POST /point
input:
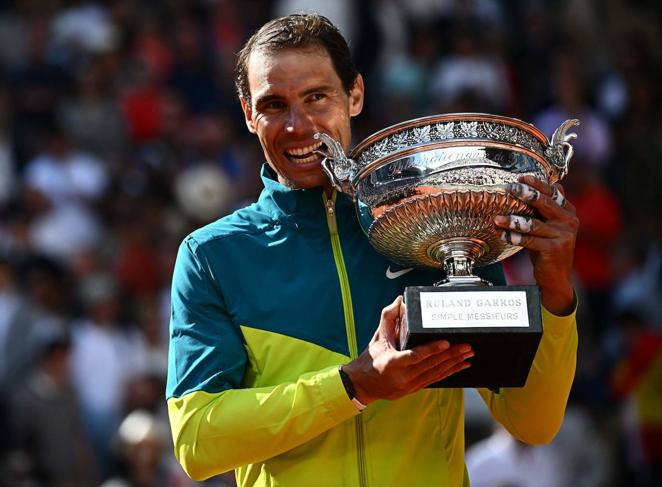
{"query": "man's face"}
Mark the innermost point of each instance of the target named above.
(294, 94)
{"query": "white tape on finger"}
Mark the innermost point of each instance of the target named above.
(557, 196)
(522, 224)
(513, 238)
(524, 191)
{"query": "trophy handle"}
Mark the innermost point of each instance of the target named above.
(337, 166)
(560, 150)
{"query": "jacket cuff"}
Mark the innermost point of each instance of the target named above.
(560, 325)
(334, 396)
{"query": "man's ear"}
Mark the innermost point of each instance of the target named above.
(248, 114)
(356, 96)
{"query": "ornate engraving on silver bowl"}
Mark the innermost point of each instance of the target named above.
(441, 131)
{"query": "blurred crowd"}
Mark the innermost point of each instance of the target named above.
(120, 132)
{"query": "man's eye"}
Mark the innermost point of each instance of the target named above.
(317, 96)
(273, 106)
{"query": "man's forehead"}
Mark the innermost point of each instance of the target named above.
(267, 67)
(276, 52)
(263, 60)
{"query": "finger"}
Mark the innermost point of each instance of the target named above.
(548, 189)
(452, 371)
(389, 320)
(526, 224)
(426, 381)
(433, 375)
(524, 192)
(521, 224)
(565, 201)
(536, 183)
(423, 352)
(511, 238)
(454, 354)
(531, 242)
(558, 197)
(547, 207)
(392, 310)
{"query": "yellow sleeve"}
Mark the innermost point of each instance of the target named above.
(216, 432)
(534, 413)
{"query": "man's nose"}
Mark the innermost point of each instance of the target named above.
(299, 120)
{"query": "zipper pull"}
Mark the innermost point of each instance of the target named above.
(331, 215)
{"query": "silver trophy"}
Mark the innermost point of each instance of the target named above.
(426, 193)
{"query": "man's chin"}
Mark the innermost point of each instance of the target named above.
(307, 183)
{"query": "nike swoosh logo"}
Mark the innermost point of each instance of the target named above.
(394, 275)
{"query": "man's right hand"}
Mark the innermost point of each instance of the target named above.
(384, 372)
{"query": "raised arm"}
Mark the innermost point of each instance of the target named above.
(534, 413)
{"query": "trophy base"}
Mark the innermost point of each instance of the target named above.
(503, 325)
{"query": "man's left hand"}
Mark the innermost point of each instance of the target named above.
(550, 239)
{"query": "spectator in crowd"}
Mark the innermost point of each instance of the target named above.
(636, 380)
(597, 241)
(91, 117)
(7, 162)
(14, 326)
(468, 71)
(36, 306)
(36, 86)
(500, 460)
(569, 100)
(49, 446)
(140, 444)
(63, 174)
(115, 354)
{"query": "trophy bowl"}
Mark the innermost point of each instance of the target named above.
(427, 190)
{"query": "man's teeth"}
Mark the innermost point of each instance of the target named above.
(311, 158)
(304, 151)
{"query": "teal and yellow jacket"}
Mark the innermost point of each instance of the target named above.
(266, 304)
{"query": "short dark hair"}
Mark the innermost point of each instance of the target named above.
(297, 31)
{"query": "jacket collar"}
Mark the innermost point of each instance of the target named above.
(289, 203)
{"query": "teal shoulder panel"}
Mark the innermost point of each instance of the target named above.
(206, 350)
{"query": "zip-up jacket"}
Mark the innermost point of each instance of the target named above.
(267, 303)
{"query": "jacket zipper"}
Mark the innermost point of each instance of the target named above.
(349, 319)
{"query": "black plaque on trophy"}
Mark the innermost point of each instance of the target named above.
(503, 325)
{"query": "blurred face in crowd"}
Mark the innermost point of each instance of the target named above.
(294, 94)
